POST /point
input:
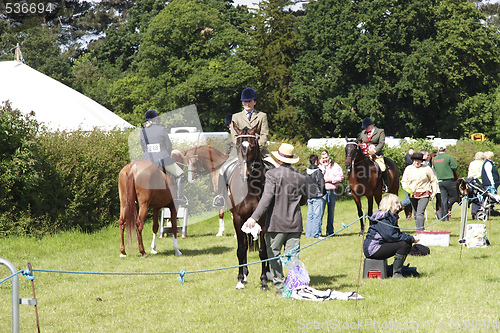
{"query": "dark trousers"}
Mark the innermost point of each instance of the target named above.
(388, 250)
(449, 196)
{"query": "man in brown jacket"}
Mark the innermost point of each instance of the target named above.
(284, 193)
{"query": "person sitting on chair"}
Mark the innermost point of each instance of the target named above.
(157, 148)
(372, 141)
(384, 239)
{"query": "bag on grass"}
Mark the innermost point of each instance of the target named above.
(297, 276)
(420, 250)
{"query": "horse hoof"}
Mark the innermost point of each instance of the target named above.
(122, 255)
(219, 234)
(183, 237)
(178, 253)
(153, 251)
(264, 287)
(144, 255)
(240, 285)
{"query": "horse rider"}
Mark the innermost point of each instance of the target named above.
(372, 141)
(157, 148)
(249, 118)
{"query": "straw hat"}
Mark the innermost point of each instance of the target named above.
(286, 154)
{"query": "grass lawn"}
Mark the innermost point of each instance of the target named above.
(458, 288)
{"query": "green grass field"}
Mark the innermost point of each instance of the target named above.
(457, 291)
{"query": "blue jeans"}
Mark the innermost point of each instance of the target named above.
(316, 207)
(330, 198)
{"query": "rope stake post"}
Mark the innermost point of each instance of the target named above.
(34, 296)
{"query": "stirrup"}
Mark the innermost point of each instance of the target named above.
(218, 201)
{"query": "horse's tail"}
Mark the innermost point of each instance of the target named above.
(128, 199)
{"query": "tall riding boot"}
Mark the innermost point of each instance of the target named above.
(180, 199)
(385, 184)
(219, 198)
(397, 267)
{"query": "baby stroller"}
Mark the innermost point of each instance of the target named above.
(481, 196)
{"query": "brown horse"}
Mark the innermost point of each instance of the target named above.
(365, 178)
(245, 190)
(143, 182)
(201, 159)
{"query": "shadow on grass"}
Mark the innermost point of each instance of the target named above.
(328, 280)
(197, 252)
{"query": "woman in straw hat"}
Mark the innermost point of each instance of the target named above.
(285, 192)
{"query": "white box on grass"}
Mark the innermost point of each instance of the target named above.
(434, 237)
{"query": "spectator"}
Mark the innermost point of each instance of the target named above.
(285, 192)
(407, 207)
(333, 175)
(476, 166)
(446, 173)
(384, 238)
(420, 182)
(489, 173)
(408, 160)
(427, 157)
(315, 184)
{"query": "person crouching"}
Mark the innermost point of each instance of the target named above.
(384, 239)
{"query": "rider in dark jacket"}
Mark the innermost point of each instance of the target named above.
(157, 148)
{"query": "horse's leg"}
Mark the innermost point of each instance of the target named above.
(241, 252)
(265, 264)
(221, 222)
(156, 213)
(143, 213)
(121, 224)
(357, 200)
(173, 214)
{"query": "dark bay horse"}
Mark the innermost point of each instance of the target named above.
(245, 190)
(365, 177)
(142, 182)
(201, 159)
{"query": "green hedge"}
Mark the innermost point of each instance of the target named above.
(57, 181)
(62, 181)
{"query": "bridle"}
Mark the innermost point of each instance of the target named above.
(244, 147)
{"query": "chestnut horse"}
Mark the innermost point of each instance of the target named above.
(205, 159)
(245, 190)
(143, 182)
(365, 177)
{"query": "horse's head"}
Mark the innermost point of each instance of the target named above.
(351, 150)
(247, 146)
(191, 158)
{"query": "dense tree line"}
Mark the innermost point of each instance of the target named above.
(417, 67)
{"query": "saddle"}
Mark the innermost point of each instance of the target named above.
(228, 173)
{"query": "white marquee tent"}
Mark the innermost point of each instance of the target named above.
(56, 105)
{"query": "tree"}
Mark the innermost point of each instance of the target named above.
(407, 64)
(274, 29)
(192, 53)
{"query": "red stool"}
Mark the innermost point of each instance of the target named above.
(374, 274)
(375, 268)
